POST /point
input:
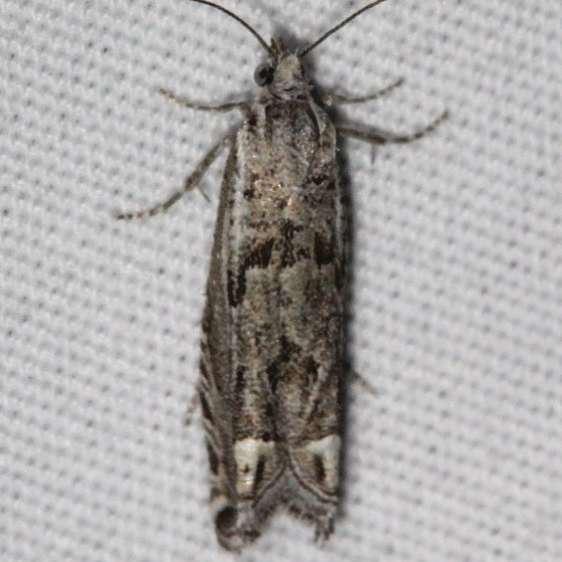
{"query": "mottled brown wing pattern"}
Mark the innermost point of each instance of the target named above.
(271, 363)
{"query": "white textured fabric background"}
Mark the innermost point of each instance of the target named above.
(457, 311)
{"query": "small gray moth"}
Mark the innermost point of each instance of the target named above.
(272, 368)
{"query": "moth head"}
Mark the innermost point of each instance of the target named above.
(282, 75)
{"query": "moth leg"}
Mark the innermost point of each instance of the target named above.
(190, 182)
(341, 99)
(384, 137)
(220, 108)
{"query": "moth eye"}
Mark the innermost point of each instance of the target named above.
(263, 75)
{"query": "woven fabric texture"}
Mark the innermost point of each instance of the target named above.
(456, 316)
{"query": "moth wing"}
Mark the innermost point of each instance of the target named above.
(245, 463)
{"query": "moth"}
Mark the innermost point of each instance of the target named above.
(272, 369)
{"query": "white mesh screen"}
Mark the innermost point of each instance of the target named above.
(457, 310)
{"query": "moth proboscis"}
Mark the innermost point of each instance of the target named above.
(272, 366)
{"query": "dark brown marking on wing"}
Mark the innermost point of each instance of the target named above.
(225, 520)
(269, 412)
(319, 470)
(264, 436)
(260, 468)
(320, 179)
(287, 253)
(236, 287)
(249, 193)
(213, 459)
(207, 414)
(202, 368)
(240, 381)
(252, 121)
(288, 229)
(339, 276)
(312, 369)
(324, 252)
(287, 349)
(273, 375)
(260, 256)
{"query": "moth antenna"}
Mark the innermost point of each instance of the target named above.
(239, 20)
(339, 26)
